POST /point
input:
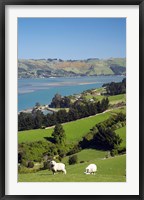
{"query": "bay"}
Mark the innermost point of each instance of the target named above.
(43, 90)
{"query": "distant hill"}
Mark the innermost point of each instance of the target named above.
(45, 68)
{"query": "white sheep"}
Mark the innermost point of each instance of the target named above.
(91, 169)
(57, 167)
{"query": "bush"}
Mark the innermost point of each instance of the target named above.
(74, 150)
(25, 170)
(30, 164)
(73, 160)
(46, 165)
(114, 152)
(108, 154)
(24, 163)
(121, 150)
(62, 153)
(82, 161)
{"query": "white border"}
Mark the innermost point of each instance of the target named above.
(131, 187)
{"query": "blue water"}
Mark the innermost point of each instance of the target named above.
(31, 91)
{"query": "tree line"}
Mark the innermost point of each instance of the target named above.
(77, 110)
(116, 88)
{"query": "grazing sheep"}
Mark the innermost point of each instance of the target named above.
(57, 167)
(91, 169)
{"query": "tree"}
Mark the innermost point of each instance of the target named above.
(116, 88)
(106, 138)
(38, 119)
(25, 121)
(56, 101)
(104, 104)
(61, 116)
(59, 134)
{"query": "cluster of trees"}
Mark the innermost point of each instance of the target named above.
(116, 88)
(77, 110)
(60, 102)
(27, 121)
(103, 136)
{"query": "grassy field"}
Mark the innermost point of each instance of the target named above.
(108, 170)
(74, 130)
(87, 155)
(112, 99)
(117, 98)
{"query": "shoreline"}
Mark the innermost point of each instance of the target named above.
(41, 108)
(51, 85)
(76, 76)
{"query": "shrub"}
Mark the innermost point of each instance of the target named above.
(121, 150)
(25, 170)
(62, 153)
(114, 152)
(108, 154)
(46, 165)
(74, 150)
(24, 163)
(30, 164)
(73, 160)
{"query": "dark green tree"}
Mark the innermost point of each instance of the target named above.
(56, 101)
(106, 138)
(39, 119)
(59, 134)
(25, 121)
(104, 104)
(61, 116)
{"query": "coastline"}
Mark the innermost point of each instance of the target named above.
(43, 90)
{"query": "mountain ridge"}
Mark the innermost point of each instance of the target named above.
(45, 68)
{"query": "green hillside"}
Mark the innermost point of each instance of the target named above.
(39, 68)
(75, 130)
(87, 155)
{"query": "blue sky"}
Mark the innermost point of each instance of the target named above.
(71, 38)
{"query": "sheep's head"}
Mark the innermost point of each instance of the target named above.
(52, 163)
(87, 171)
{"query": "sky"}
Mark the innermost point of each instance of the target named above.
(71, 38)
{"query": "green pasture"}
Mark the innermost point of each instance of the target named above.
(108, 170)
(74, 130)
(121, 109)
(117, 98)
(87, 155)
(112, 99)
